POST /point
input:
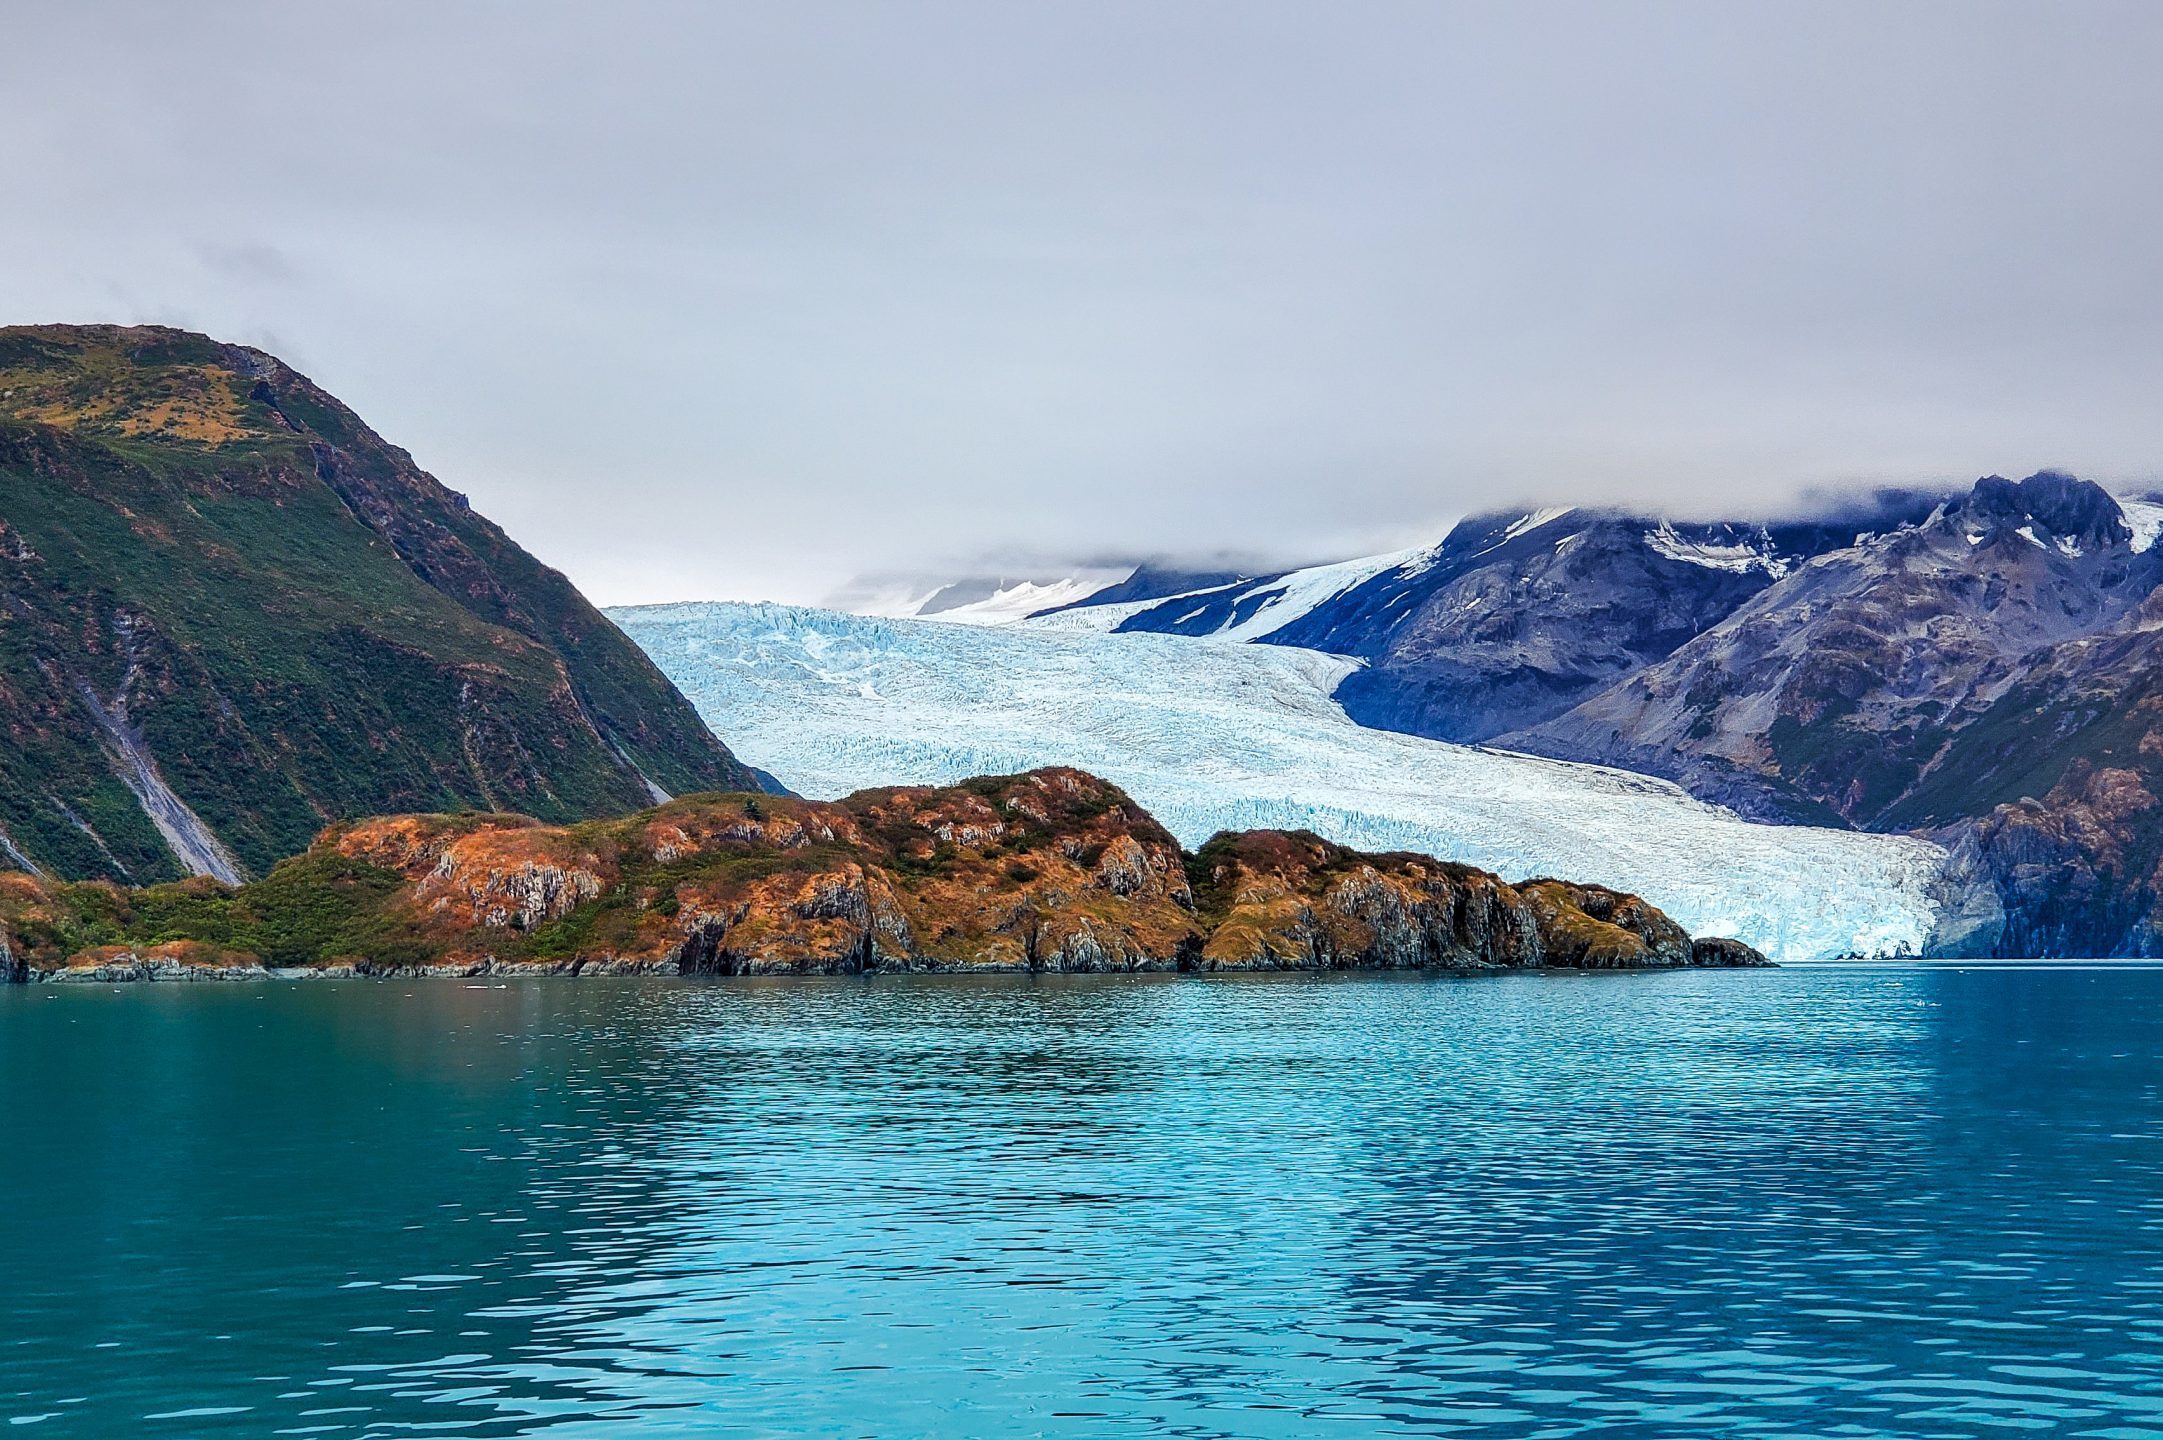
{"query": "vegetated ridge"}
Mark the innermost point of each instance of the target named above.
(1050, 870)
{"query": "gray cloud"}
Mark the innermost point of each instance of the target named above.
(248, 262)
(745, 300)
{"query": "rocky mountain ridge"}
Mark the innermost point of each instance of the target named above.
(1515, 616)
(1988, 676)
(1050, 870)
(1838, 688)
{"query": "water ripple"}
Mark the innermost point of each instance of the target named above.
(1871, 1202)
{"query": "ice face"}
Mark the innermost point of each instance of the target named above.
(1211, 735)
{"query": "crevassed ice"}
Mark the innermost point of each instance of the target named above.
(1211, 735)
(2145, 518)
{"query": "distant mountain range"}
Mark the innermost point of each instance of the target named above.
(1513, 617)
(230, 613)
(1977, 666)
(1004, 599)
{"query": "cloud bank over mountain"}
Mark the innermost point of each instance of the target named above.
(875, 288)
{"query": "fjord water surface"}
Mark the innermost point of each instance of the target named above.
(1890, 1201)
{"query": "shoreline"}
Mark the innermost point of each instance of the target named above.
(169, 972)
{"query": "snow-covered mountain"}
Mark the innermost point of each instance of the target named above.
(1211, 735)
(1090, 591)
(1513, 617)
(976, 599)
(1240, 609)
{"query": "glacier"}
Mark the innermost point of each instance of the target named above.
(1213, 735)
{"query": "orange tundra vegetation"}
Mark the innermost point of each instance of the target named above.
(1051, 870)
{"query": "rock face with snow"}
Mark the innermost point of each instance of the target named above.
(1214, 736)
(996, 599)
(1973, 666)
(1988, 675)
(1515, 617)
(1837, 689)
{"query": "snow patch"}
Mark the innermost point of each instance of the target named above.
(1288, 597)
(1024, 598)
(1212, 736)
(1534, 521)
(1738, 559)
(982, 600)
(1302, 592)
(1103, 619)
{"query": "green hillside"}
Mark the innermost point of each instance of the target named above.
(230, 614)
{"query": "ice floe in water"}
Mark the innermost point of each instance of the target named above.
(1212, 736)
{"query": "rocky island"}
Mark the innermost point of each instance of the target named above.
(1053, 870)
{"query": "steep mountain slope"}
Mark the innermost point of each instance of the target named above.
(231, 613)
(1053, 870)
(1214, 736)
(1153, 581)
(1001, 600)
(1514, 617)
(2069, 760)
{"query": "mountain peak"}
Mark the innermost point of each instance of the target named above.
(2049, 505)
(136, 382)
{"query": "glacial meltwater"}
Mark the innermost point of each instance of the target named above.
(1828, 1202)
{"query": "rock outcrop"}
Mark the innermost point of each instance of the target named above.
(1054, 870)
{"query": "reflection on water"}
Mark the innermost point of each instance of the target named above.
(1839, 1202)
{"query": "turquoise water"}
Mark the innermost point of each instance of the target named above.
(1836, 1202)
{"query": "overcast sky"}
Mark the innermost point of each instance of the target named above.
(740, 301)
